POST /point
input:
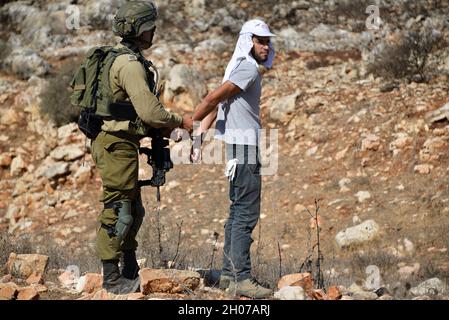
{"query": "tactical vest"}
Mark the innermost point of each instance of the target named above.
(92, 91)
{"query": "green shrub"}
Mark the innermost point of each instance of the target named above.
(409, 58)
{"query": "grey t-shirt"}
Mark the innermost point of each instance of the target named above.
(238, 119)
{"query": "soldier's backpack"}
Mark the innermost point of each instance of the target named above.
(92, 92)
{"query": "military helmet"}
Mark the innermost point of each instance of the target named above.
(133, 18)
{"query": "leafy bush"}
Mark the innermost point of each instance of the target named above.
(409, 58)
(55, 102)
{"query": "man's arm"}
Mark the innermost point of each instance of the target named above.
(210, 102)
(132, 78)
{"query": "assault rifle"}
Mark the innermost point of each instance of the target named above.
(158, 157)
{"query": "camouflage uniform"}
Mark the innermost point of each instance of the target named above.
(115, 152)
(115, 148)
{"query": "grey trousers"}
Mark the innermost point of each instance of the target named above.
(244, 212)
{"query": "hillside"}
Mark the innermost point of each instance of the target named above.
(356, 133)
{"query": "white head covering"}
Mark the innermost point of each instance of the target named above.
(245, 44)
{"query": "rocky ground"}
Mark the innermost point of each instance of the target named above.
(371, 151)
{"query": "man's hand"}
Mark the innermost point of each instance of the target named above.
(187, 123)
(195, 151)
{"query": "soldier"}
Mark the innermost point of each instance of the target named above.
(115, 148)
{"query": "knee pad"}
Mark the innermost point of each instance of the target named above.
(125, 218)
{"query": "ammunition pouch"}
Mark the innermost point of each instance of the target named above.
(89, 123)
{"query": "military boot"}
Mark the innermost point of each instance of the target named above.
(249, 288)
(224, 281)
(130, 267)
(115, 283)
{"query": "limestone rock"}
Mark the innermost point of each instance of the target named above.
(89, 283)
(284, 106)
(24, 265)
(290, 293)
(27, 293)
(433, 286)
(8, 291)
(303, 280)
(363, 232)
(67, 153)
(168, 280)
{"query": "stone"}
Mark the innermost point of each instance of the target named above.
(40, 288)
(318, 294)
(362, 196)
(303, 280)
(433, 286)
(402, 140)
(290, 293)
(8, 291)
(17, 166)
(67, 153)
(284, 106)
(371, 142)
(89, 283)
(9, 117)
(334, 293)
(168, 280)
(83, 173)
(56, 170)
(67, 131)
(35, 278)
(27, 293)
(5, 160)
(439, 114)
(68, 279)
(184, 79)
(341, 154)
(363, 232)
(423, 168)
(24, 265)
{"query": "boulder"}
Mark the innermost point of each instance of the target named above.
(334, 293)
(185, 87)
(56, 170)
(362, 196)
(24, 265)
(290, 293)
(439, 114)
(371, 142)
(8, 291)
(363, 232)
(90, 283)
(303, 280)
(27, 293)
(284, 106)
(35, 278)
(168, 280)
(18, 165)
(433, 286)
(67, 153)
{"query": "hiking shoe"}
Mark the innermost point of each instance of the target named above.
(224, 282)
(114, 282)
(249, 288)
